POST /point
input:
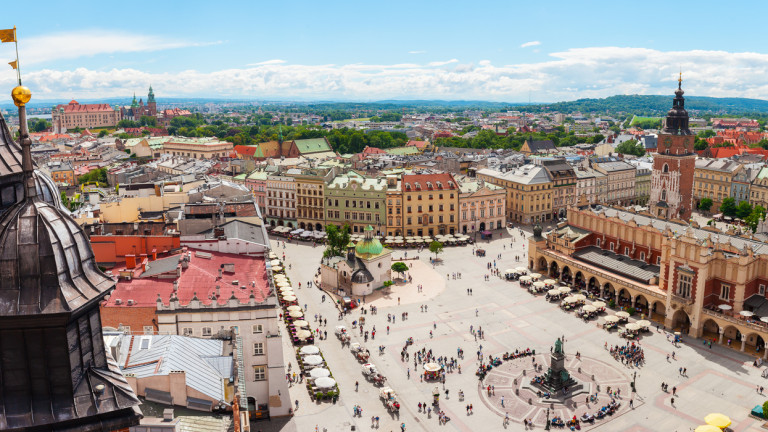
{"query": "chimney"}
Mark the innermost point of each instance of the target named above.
(130, 261)
(218, 291)
(176, 285)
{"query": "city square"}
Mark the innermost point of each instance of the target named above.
(716, 379)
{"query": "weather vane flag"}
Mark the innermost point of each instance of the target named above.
(9, 35)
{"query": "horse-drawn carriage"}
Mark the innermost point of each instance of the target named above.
(360, 353)
(342, 334)
(373, 375)
(389, 398)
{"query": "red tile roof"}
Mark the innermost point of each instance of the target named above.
(418, 144)
(246, 150)
(201, 278)
(409, 182)
(74, 107)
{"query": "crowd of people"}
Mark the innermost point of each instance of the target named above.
(629, 354)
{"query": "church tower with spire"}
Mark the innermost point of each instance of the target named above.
(151, 104)
(674, 164)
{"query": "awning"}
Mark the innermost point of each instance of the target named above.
(160, 396)
(199, 404)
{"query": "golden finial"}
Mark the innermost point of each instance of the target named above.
(680, 80)
(21, 95)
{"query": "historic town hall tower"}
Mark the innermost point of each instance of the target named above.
(673, 165)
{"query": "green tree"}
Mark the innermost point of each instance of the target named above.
(763, 143)
(705, 204)
(400, 267)
(436, 247)
(754, 218)
(728, 207)
(125, 123)
(709, 133)
(700, 144)
(148, 121)
(632, 147)
(337, 240)
(102, 133)
(743, 210)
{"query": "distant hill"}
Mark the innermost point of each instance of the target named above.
(652, 105)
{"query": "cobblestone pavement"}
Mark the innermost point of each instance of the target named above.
(718, 379)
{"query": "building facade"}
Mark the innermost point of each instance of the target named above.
(758, 190)
(482, 205)
(676, 274)
(642, 186)
(619, 181)
(84, 116)
(713, 179)
(742, 180)
(563, 180)
(529, 192)
(281, 201)
(430, 204)
(310, 188)
(198, 148)
(586, 184)
(394, 206)
(674, 164)
(356, 200)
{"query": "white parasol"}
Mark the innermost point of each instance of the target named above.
(275, 262)
(325, 382)
(579, 297)
(313, 360)
(611, 319)
(622, 314)
(589, 308)
(295, 314)
(644, 323)
(319, 373)
(293, 308)
(632, 327)
(598, 304)
(535, 275)
(550, 281)
(525, 278)
(539, 284)
(431, 367)
(746, 313)
(564, 289)
(725, 307)
(290, 298)
(301, 323)
(304, 334)
(309, 350)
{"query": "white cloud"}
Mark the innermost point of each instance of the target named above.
(417, 52)
(530, 44)
(442, 63)
(267, 62)
(565, 75)
(83, 43)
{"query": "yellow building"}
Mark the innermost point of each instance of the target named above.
(712, 179)
(198, 148)
(430, 203)
(529, 192)
(394, 206)
(309, 201)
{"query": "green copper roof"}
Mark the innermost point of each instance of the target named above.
(312, 145)
(369, 247)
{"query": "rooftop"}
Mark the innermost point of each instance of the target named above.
(200, 278)
(621, 264)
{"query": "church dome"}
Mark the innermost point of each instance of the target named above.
(362, 276)
(369, 246)
(48, 266)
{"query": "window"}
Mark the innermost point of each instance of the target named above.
(611, 246)
(598, 242)
(642, 256)
(258, 328)
(725, 291)
(148, 330)
(684, 285)
(206, 331)
(259, 373)
(761, 289)
(258, 348)
(145, 343)
(186, 331)
(626, 251)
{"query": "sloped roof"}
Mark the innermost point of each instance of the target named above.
(313, 145)
(199, 358)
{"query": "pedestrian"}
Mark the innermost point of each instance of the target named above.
(674, 391)
(357, 384)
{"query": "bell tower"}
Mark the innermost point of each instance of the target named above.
(674, 164)
(151, 104)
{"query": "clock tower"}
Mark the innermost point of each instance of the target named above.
(674, 164)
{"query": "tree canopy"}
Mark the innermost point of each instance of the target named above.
(338, 238)
(728, 207)
(399, 267)
(436, 247)
(631, 147)
(705, 204)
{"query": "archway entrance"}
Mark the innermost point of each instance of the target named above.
(318, 227)
(710, 331)
(658, 312)
(609, 292)
(579, 280)
(482, 226)
(593, 286)
(641, 304)
(554, 272)
(543, 265)
(680, 321)
(625, 298)
(566, 276)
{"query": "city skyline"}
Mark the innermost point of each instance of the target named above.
(492, 51)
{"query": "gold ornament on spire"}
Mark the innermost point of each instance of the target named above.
(21, 95)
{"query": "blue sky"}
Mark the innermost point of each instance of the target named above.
(498, 50)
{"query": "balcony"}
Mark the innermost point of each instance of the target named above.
(681, 299)
(736, 321)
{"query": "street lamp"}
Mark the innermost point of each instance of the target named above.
(546, 426)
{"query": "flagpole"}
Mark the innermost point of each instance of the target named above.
(16, 43)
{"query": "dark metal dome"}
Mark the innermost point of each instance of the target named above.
(46, 262)
(362, 276)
